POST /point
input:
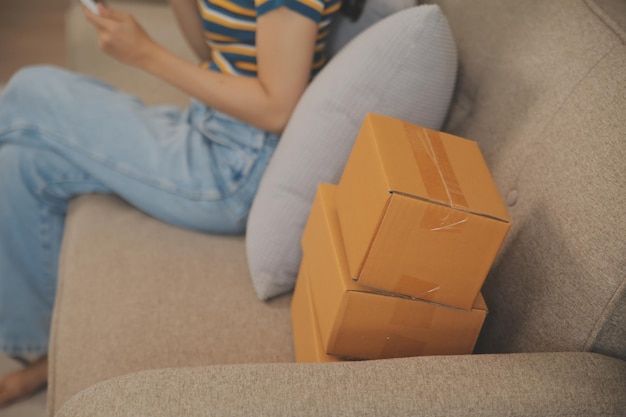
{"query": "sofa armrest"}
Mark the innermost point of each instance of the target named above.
(536, 384)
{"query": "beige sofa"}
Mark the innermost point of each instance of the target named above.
(152, 320)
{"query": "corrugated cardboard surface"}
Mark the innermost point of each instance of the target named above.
(358, 322)
(306, 335)
(420, 213)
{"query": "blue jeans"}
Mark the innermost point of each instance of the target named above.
(63, 135)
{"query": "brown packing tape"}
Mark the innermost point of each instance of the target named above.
(434, 165)
(421, 288)
(447, 172)
(443, 219)
(413, 315)
(431, 177)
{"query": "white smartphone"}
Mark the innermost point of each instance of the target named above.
(91, 5)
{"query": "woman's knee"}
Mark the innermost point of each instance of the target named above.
(33, 82)
(37, 74)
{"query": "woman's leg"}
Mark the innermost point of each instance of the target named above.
(173, 165)
(63, 135)
(35, 185)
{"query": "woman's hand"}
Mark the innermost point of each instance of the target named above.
(285, 48)
(121, 36)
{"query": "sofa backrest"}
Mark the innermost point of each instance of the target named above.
(542, 89)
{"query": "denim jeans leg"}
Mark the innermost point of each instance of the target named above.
(34, 185)
(63, 134)
(150, 156)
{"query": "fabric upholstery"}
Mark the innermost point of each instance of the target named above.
(135, 293)
(541, 88)
(405, 67)
(574, 384)
(611, 12)
(545, 100)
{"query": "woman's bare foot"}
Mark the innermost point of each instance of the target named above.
(26, 381)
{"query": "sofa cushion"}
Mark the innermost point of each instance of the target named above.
(135, 293)
(540, 384)
(542, 89)
(405, 67)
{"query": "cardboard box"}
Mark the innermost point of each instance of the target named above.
(306, 335)
(359, 322)
(420, 212)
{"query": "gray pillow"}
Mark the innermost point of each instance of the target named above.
(405, 67)
(343, 30)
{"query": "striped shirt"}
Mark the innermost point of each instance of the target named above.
(230, 30)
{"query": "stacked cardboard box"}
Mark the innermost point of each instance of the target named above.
(396, 254)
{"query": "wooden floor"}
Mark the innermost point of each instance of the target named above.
(31, 32)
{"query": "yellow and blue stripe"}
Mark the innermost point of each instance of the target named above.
(230, 30)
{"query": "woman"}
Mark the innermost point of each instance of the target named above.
(62, 135)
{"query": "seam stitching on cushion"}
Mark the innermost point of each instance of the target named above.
(574, 88)
(606, 19)
(597, 327)
(610, 307)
